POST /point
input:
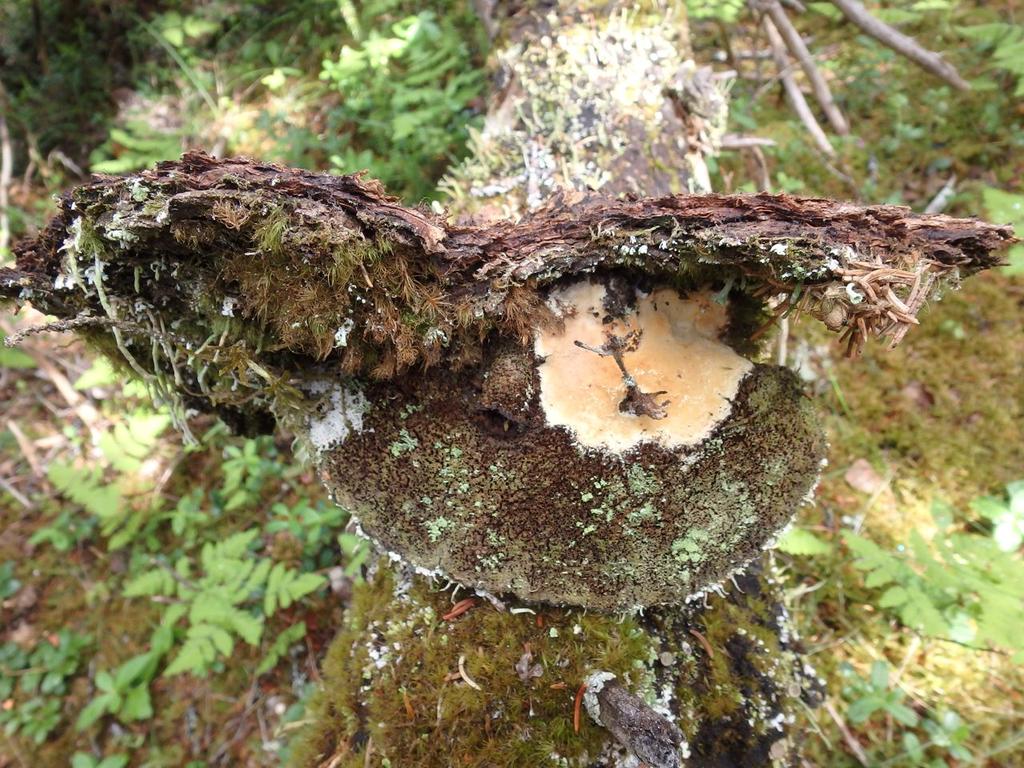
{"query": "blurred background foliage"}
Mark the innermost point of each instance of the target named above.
(167, 605)
(390, 86)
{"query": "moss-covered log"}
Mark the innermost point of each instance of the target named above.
(416, 680)
(505, 398)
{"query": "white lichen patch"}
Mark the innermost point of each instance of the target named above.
(341, 415)
(679, 353)
(341, 335)
(594, 685)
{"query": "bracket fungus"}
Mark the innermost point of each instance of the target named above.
(628, 457)
(562, 408)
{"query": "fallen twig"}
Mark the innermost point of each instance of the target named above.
(902, 44)
(795, 43)
(848, 737)
(793, 92)
(941, 200)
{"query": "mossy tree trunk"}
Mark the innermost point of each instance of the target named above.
(585, 100)
(399, 345)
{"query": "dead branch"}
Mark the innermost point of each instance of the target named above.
(906, 46)
(652, 738)
(793, 92)
(797, 47)
(736, 141)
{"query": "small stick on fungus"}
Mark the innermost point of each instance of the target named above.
(636, 401)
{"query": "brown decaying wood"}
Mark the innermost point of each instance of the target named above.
(864, 270)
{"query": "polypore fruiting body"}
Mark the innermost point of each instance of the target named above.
(629, 458)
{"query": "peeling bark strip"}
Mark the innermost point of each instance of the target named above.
(259, 236)
(654, 739)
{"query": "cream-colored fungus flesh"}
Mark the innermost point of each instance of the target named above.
(679, 352)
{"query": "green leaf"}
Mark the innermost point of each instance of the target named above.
(800, 541)
(195, 655)
(105, 682)
(862, 709)
(245, 626)
(99, 374)
(893, 597)
(130, 671)
(880, 675)
(903, 714)
(93, 711)
(15, 358)
(912, 746)
(1008, 208)
(280, 647)
(137, 705)
(155, 582)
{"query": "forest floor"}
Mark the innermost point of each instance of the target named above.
(927, 441)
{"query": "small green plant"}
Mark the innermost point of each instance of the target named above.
(122, 505)
(246, 469)
(124, 691)
(948, 733)
(9, 585)
(1004, 42)
(874, 695)
(33, 683)
(227, 597)
(280, 646)
(1007, 207)
(67, 530)
(958, 586)
(800, 541)
(1006, 515)
(406, 91)
(313, 525)
(85, 760)
(355, 552)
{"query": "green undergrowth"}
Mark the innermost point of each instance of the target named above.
(919, 571)
(910, 132)
(386, 85)
(162, 584)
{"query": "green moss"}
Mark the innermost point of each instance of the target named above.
(269, 236)
(391, 680)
